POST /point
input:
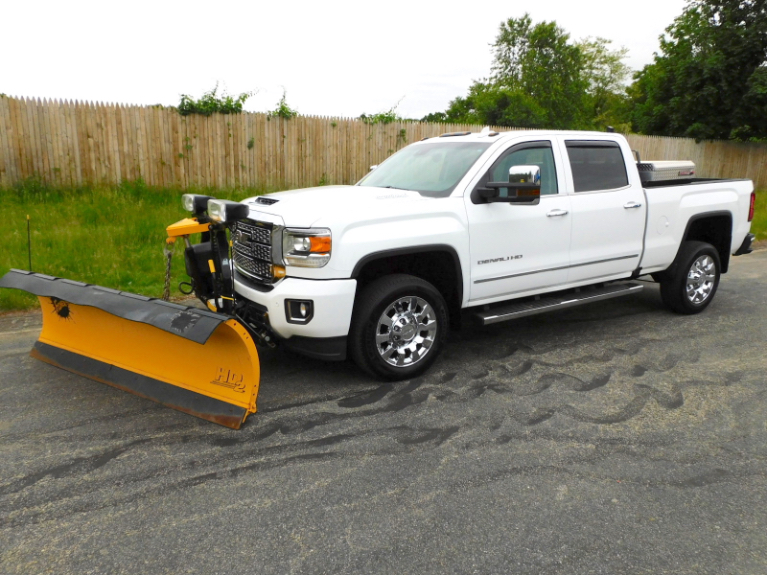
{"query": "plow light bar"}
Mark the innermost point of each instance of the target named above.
(195, 203)
(227, 211)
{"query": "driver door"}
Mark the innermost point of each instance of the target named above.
(518, 248)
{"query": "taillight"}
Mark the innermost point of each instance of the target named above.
(752, 206)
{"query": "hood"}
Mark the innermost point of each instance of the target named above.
(306, 207)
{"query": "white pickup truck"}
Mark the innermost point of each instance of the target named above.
(506, 224)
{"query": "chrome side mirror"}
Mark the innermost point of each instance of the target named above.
(524, 187)
(525, 175)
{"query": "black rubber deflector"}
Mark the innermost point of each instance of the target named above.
(188, 322)
(169, 395)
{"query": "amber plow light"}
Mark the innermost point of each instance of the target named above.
(193, 360)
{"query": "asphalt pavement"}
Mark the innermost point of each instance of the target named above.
(614, 438)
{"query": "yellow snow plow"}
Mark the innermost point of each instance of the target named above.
(200, 361)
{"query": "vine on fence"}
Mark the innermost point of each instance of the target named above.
(386, 117)
(212, 103)
(283, 110)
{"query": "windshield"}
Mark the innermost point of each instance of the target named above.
(432, 169)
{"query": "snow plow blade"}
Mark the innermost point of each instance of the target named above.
(193, 360)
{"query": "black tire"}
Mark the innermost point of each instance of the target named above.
(691, 269)
(420, 324)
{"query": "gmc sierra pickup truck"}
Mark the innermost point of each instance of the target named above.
(505, 224)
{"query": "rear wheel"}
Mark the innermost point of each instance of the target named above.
(399, 326)
(691, 286)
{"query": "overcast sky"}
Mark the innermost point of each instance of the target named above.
(334, 58)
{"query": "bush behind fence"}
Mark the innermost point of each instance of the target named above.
(75, 143)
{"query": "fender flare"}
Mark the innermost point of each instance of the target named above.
(443, 248)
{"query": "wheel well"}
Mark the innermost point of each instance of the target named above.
(440, 268)
(715, 230)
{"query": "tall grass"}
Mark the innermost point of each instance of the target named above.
(107, 235)
(759, 224)
(114, 235)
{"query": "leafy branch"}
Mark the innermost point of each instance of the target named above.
(212, 103)
(283, 110)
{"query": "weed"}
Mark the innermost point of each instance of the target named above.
(759, 225)
(386, 117)
(211, 103)
(283, 110)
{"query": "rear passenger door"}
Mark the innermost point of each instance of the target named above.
(608, 212)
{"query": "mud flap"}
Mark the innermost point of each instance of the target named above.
(193, 360)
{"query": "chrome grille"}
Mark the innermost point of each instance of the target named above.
(260, 232)
(257, 269)
(252, 249)
(261, 252)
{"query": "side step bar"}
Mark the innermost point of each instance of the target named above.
(553, 303)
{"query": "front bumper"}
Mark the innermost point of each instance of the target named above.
(333, 304)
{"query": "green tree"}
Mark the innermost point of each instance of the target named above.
(510, 47)
(605, 71)
(542, 80)
(709, 80)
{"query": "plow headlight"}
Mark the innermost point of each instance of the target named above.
(195, 203)
(308, 248)
(226, 211)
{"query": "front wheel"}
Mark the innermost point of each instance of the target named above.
(692, 284)
(399, 326)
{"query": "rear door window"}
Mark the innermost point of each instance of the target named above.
(596, 165)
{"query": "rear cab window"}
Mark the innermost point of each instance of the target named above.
(596, 165)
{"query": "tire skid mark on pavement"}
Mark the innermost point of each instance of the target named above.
(76, 467)
(553, 372)
(136, 485)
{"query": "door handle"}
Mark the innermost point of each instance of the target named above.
(632, 205)
(556, 213)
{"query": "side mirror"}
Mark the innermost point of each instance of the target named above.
(527, 184)
(524, 187)
(373, 167)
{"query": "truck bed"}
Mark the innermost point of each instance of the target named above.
(675, 205)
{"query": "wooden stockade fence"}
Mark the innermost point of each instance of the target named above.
(74, 143)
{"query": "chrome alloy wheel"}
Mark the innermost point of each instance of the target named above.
(701, 279)
(406, 331)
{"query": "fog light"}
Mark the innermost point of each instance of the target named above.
(299, 310)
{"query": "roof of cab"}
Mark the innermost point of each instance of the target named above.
(490, 135)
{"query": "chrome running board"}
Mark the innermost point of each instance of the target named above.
(553, 303)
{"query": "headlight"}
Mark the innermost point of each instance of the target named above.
(195, 203)
(226, 211)
(306, 248)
